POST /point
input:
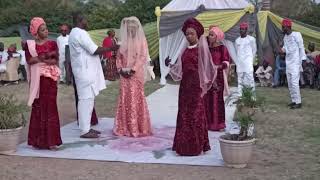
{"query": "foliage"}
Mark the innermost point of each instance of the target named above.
(291, 8)
(312, 17)
(245, 121)
(101, 13)
(249, 99)
(103, 16)
(247, 105)
(11, 112)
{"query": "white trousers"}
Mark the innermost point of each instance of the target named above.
(294, 88)
(245, 79)
(85, 108)
(63, 70)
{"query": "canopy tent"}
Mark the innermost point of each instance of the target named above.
(227, 14)
(224, 13)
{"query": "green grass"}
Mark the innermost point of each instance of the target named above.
(11, 40)
(293, 136)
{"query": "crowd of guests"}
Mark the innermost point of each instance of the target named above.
(201, 68)
(201, 104)
(12, 65)
(309, 71)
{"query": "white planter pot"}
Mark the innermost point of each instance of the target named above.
(236, 154)
(9, 139)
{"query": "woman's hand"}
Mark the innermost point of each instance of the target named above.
(167, 61)
(125, 74)
(224, 66)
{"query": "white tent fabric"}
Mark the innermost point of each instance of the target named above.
(190, 5)
(172, 44)
(231, 49)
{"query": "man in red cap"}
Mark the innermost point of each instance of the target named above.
(246, 49)
(295, 54)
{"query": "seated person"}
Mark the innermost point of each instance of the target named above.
(264, 73)
(308, 72)
(12, 64)
(311, 72)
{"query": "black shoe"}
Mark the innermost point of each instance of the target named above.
(291, 104)
(296, 106)
(311, 86)
(303, 86)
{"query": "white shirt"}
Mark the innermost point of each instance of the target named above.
(86, 67)
(246, 49)
(3, 56)
(22, 57)
(62, 41)
(295, 53)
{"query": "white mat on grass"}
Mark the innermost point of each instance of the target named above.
(163, 105)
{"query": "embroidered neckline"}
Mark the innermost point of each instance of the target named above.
(193, 46)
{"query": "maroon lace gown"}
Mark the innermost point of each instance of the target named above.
(191, 137)
(215, 107)
(44, 127)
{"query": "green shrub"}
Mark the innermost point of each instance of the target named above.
(11, 112)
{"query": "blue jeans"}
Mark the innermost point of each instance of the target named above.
(276, 77)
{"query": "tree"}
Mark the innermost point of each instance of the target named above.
(291, 8)
(312, 17)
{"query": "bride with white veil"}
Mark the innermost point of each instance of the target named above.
(132, 117)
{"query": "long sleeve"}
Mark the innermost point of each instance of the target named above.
(301, 46)
(87, 43)
(253, 46)
(142, 60)
(28, 55)
(225, 55)
(119, 61)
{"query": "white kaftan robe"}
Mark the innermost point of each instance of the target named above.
(88, 74)
(246, 49)
(295, 53)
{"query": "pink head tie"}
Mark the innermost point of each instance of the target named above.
(218, 32)
(35, 23)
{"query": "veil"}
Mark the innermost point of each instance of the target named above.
(206, 69)
(133, 47)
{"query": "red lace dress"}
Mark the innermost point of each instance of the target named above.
(191, 137)
(215, 107)
(44, 128)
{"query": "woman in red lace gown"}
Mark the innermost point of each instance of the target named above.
(44, 128)
(191, 137)
(215, 107)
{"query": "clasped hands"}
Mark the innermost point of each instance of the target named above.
(45, 56)
(126, 73)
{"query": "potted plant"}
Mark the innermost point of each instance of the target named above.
(236, 149)
(12, 121)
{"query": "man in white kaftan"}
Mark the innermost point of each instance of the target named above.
(295, 54)
(62, 42)
(246, 49)
(87, 71)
